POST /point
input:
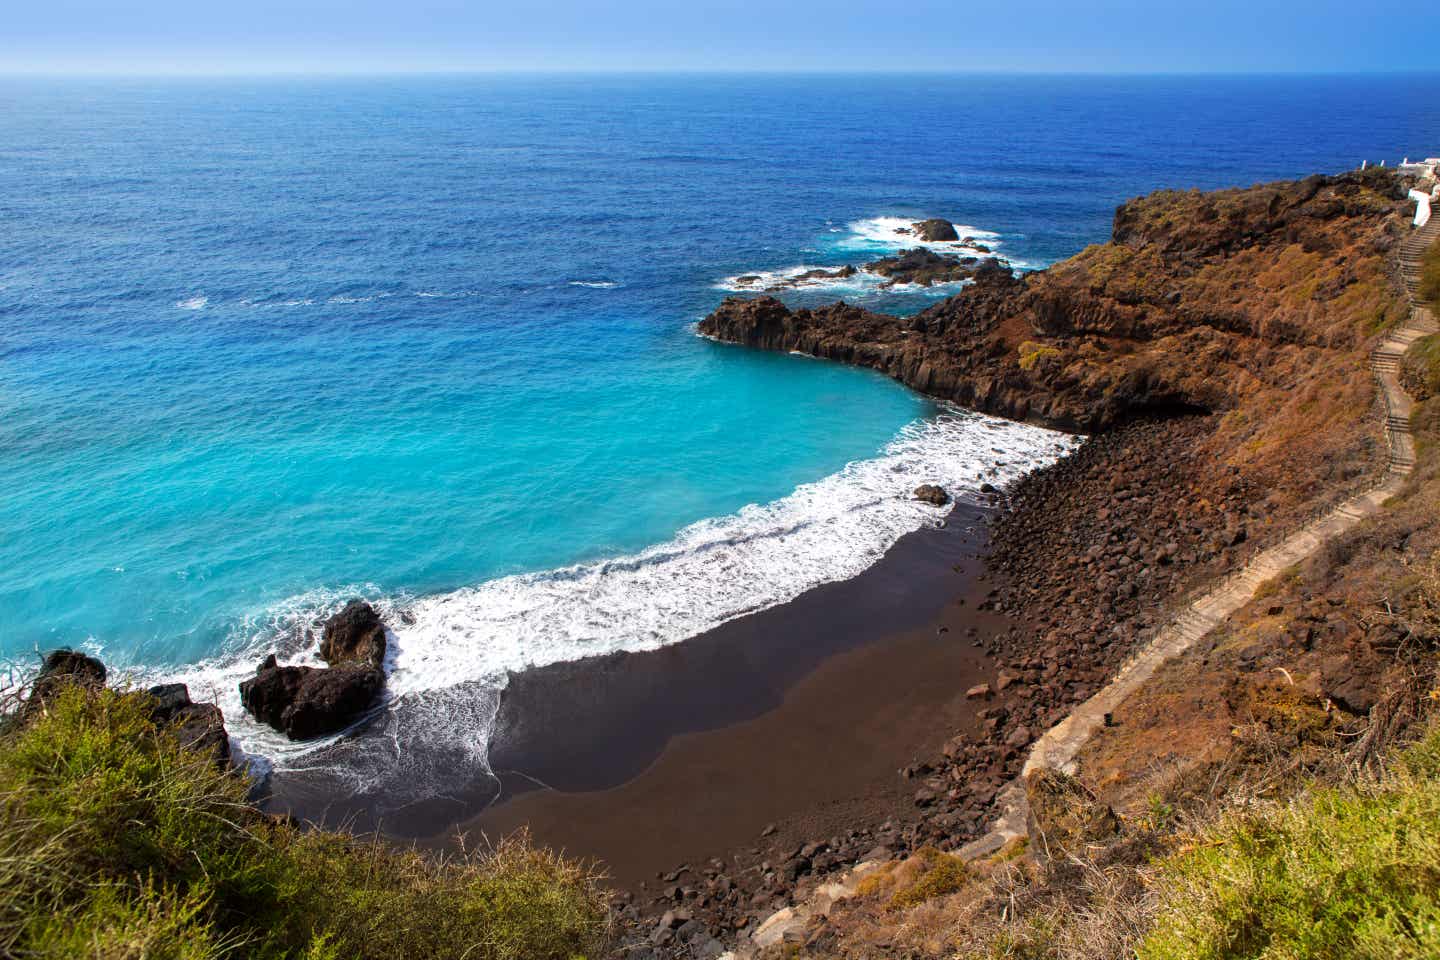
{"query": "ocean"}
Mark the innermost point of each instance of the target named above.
(267, 344)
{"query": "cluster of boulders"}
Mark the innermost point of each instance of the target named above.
(304, 702)
(199, 726)
(924, 267)
(691, 910)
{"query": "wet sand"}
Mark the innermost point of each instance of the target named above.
(799, 716)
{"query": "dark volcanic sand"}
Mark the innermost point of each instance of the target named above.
(801, 716)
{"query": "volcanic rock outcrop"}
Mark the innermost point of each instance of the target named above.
(934, 230)
(932, 494)
(307, 702)
(1192, 304)
(354, 635)
(199, 726)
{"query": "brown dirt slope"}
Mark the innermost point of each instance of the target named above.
(1313, 680)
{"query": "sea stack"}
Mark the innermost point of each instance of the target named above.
(936, 230)
(308, 702)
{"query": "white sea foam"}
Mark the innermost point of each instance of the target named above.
(451, 654)
(594, 284)
(893, 232)
(196, 302)
(273, 302)
(445, 294)
(875, 236)
(786, 278)
(858, 284)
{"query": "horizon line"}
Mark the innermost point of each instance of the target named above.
(258, 72)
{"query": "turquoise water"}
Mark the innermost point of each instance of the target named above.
(268, 343)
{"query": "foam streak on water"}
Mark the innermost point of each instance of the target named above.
(452, 653)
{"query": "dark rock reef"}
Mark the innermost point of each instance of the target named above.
(809, 278)
(926, 268)
(354, 635)
(308, 702)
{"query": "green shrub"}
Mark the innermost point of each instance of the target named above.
(1352, 872)
(117, 843)
(943, 875)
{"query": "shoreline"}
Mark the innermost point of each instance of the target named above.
(740, 727)
(620, 758)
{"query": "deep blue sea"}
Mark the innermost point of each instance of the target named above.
(269, 343)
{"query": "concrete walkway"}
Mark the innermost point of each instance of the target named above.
(1058, 747)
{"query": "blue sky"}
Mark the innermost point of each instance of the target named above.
(223, 36)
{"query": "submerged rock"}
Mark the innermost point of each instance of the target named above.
(930, 493)
(354, 635)
(806, 279)
(308, 702)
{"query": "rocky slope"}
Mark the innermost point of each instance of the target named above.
(1216, 346)
(1197, 301)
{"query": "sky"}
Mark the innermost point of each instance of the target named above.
(383, 36)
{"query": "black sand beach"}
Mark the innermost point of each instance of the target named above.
(800, 716)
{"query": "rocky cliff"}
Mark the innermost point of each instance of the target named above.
(1198, 300)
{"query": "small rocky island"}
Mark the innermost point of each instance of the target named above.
(918, 266)
(308, 702)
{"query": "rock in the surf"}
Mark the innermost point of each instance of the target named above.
(199, 726)
(923, 267)
(809, 278)
(354, 635)
(930, 493)
(935, 230)
(307, 702)
(62, 668)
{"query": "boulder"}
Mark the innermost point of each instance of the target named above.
(354, 635)
(63, 668)
(935, 230)
(930, 493)
(199, 726)
(307, 702)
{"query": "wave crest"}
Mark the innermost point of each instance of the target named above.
(455, 651)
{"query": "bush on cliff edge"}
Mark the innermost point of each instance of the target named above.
(115, 842)
(1349, 872)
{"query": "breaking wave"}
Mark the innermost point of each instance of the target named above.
(451, 653)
